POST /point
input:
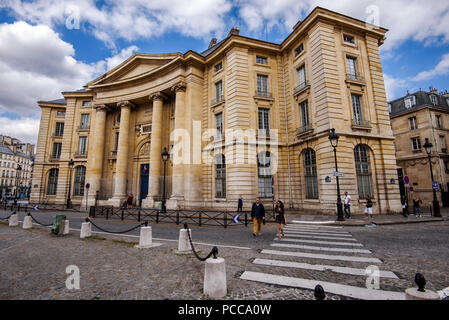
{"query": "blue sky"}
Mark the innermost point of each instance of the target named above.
(47, 46)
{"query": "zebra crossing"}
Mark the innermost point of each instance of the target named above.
(311, 247)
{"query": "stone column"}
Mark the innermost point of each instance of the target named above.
(155, 150)
(180, 140)
(95, 167)
(121, 169)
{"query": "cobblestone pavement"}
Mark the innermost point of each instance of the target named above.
(33, 263)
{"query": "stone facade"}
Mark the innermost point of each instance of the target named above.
(414, 118)
(240, 119)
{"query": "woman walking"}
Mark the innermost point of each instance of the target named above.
(280, 218)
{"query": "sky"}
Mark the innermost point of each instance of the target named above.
(49, 46)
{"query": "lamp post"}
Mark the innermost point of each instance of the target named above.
(165, 156)
(333, 138)
(19, 170)
(436, 205)
(69, 201)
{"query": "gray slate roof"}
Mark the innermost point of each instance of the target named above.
(422, 100)
(6, 150)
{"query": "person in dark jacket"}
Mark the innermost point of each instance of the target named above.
(258, 216)
(280, 218)
(240, 204)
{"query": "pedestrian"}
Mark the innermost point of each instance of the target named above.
(240, 204)
(347, 205)
(369, 208)
(404, 206)
(258, 216)
(416, 206)
(129, 201)
(280, 218)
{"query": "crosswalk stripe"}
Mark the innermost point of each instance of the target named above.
(332, 243)
(321, 256)
(316, 223)
(295, 246)
(318, 233)
(315, 230)
(318, 237)
(321, 267)
(335, 288)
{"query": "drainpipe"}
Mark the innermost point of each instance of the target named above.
(288, 145)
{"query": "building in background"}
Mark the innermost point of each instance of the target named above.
(16, 167)
(414, 118)
(252, 117)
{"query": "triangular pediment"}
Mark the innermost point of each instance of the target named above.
(135, 67)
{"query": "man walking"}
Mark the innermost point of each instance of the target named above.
(347, 205)
(258, 215)
(240, 204)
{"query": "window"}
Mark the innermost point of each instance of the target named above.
(351, 68)
(57, 147)
(82, 146)
(52, 182)
(220, 176)
(302, 76)
(412, 123)
(117, 134)
(311, 176)
(363, 171)
(61, 114)
(86, 103)
(80, 178)
(264, 122)
(218, 67)
(433, 99)
(59, 132)
(219, 91)
(264, 175)
(300, 49)
(357, 109)
(416, 144)
(85, 121)
(443, 144)
(219, 125)
(348, 39)
(262, 85)
(389, 107)
(304, 107)
(261, 60)
(410, 102)
(438, 122)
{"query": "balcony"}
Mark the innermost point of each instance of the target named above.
(361, 124)
(303, 131)
(355, 79)
(301, 88)
(79, 155)
(57, 136)
(215, 102)
(83, 128)
(264, 95)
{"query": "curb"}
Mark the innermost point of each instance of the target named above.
(380, 223)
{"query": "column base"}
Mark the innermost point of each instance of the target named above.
(117, 201)
(174, 203)
(150, 203)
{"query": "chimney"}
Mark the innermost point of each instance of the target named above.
(234, 31)
(212, 43)
(433, 90)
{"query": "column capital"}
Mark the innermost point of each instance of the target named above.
(158, 96)
(125, 104)
(101, 107)
(180, 86)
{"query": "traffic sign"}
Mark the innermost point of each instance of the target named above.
(236, 219)
(339, 174)
(435, 185)
(406, 180)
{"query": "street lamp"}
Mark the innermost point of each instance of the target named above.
(165, 157)
(19, 170)
(436, 205)
(333, 138)
(69, 201)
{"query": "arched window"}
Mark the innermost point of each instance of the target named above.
(52, 182)
(264, 175)
(311, 176)
(80, 178)
(363, 171)
(220, 176)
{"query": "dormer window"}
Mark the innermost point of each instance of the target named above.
(299, 50)
(410, 102)
(434, 99)
(218, 67)
(348, 39)
(261, 60)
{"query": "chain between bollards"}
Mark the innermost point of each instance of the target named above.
(214, 251)
(9, 216)
(117, 232)
(44, 225)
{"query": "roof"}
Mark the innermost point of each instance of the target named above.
(62, 102)
(5, 149)
(422, 100)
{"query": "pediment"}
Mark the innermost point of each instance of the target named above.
(136, 66)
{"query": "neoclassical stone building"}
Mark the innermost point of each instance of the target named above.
(245, 117)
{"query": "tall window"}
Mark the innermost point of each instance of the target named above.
(438, 122)
(443, 143)
(434, 99)
(357, 108)
(302, 76)
(311, 176)
(85, 121)
(219, 91)
(219, 125)
(117, 134)
(363, 171)
(59, 132)
(82, 146)
(304, 106)
(264, 175)
(351, 67)
(410, 102)
(80, 178)
(262, 85)
(57, 147)
(264, 122)
(416, 144)
(52, 182)
(413, 124)
(220, 176)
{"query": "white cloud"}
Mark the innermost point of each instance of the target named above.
(441, 69)
(394, 85)
(25, 129)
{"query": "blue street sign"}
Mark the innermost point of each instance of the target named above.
(406, 180)
(435, 185)
(236, 219)
(35, 208)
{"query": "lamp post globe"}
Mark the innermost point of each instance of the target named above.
(436, 204)
(333, 138)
